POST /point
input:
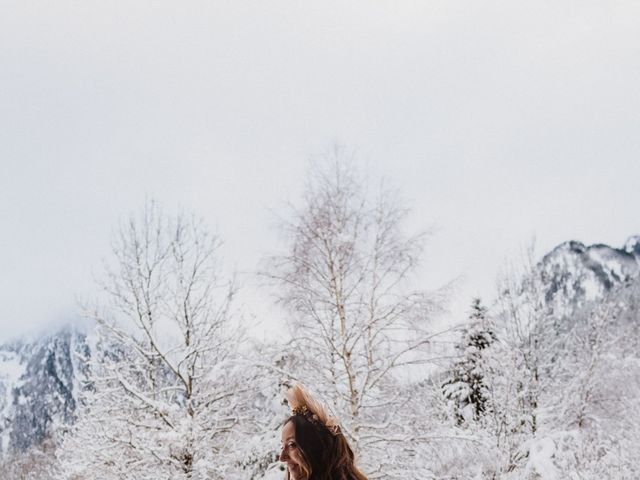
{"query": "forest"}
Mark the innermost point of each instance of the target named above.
(542, 381)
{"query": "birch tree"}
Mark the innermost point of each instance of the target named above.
(354, 320)
(165, 390)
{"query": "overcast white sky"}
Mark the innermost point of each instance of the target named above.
(498, 120)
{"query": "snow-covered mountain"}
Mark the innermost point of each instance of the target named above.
(574, 274)
(39, 383)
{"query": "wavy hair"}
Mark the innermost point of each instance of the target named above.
(325, 451)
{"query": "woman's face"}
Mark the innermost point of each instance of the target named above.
(291, 454)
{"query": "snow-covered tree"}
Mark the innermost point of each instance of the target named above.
(563, 382)
(165, 392)
(465, 387)
(519, 365)
(354, 321)
(597, 391)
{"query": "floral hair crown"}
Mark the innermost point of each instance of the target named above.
(300, 410)
(303, 404)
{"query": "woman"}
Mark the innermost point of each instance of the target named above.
(313, 446)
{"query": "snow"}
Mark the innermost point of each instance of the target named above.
(11, 367)
(592, 288)
(540, 463)
(11, 371)
(632, 244)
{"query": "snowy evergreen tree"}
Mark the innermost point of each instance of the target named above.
(466, 388)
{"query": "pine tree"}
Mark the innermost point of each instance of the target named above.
(465, 387)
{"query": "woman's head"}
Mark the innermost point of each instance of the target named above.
(292, 454)
(313, 446)
(305, 448)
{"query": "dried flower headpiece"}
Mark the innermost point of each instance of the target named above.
(302, 403)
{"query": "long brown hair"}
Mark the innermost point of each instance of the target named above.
(324, 450)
